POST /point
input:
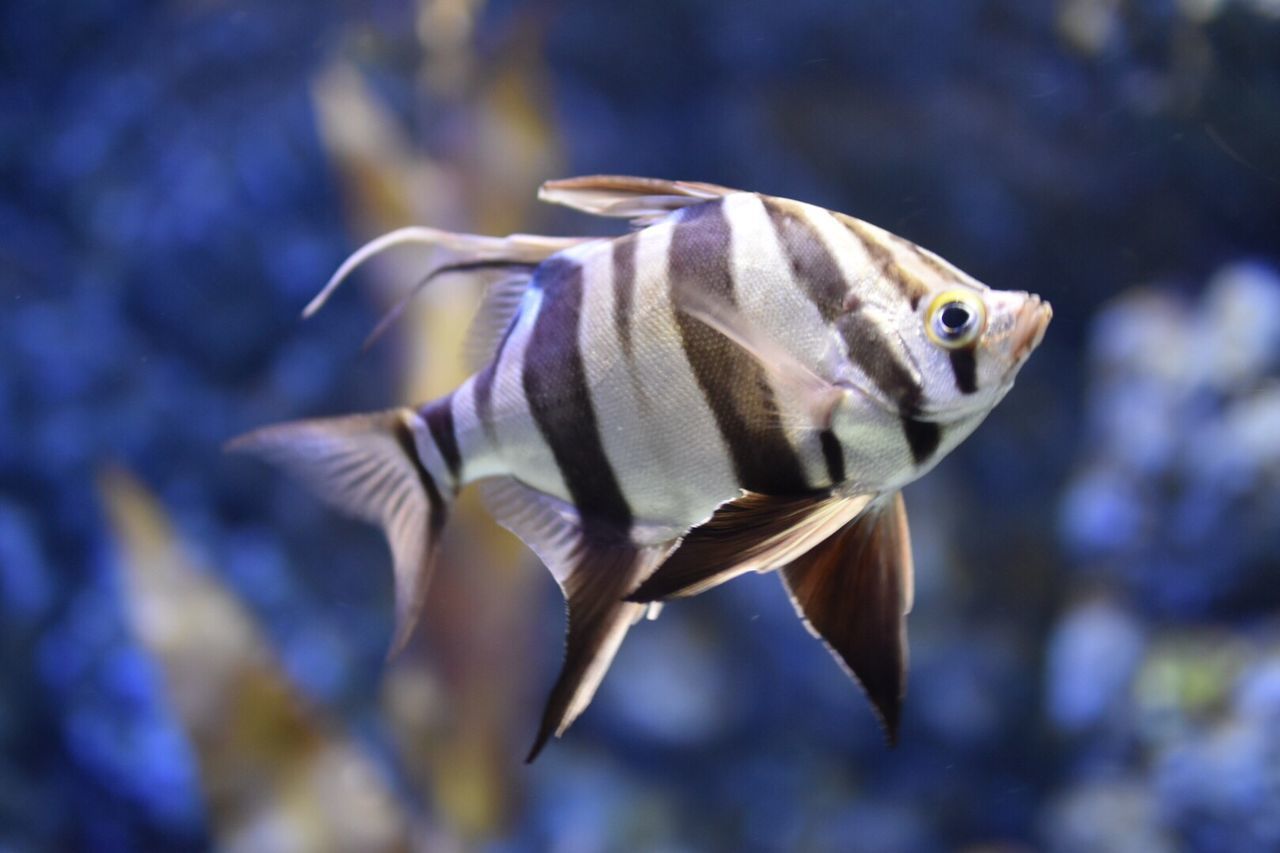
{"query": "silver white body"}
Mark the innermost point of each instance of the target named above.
(657, 427)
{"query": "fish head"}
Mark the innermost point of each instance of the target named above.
(967, 342)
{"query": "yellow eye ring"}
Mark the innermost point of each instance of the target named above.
(955, 319)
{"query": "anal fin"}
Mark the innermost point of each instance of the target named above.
(853, 591)
(598, 621)
(594, 572)
(752, 533)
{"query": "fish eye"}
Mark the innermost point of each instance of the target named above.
(955, 319)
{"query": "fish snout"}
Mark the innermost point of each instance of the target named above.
(1029, 326)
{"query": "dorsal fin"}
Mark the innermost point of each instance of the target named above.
(642, 200)
(752, 533)
(454, 253)
(594, 574)
(497, 309)
(853, 591)
(519, 271)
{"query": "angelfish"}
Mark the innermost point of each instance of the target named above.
(741, 383)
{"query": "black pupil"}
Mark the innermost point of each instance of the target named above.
(955, 317)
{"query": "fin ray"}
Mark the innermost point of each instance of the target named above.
(598, 620)
(497, 310)
(473, 268)
(801, 390)
(594, 575)
(367, 466)
(642, 200)
(752, 533)
(853, 592)
(530, 249)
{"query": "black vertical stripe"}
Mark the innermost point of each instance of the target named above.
(833, 455)
(812, 264)
(555, 384)
(923, 437)
(732, 382)
(883, 258)
(439, 417)
(483, 387)
(965, 367)
(871, 351)
(484, 398)
(437, 512)
(624, 284)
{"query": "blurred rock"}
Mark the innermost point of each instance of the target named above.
(1094, 654)
(674, 691)
(1257, 695)
(1172, 496)
(1119, 816)
(1219, 789)
(26, 583)
(1241, 339)
(1199, 749)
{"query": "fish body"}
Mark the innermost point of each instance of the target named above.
(743, 383)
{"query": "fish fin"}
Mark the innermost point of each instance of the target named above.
(368, 466)
(853, 592)
(598, 620)
(751, 533)
(548, 525)
(495, 315)
(642, 200)
(593, 574)
(801, 391)
(523, 271)
(456, 249)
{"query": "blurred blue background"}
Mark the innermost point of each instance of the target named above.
(191, 648)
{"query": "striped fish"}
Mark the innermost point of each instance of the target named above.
(741, 383)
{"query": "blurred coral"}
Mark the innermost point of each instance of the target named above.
(275, 776)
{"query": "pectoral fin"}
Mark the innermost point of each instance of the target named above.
(808, 400)
(594, 574)
(853, 591)
(753, 533)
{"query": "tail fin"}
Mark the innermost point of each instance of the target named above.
(368, 466)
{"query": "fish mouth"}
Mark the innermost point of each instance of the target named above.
(1029, 326)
